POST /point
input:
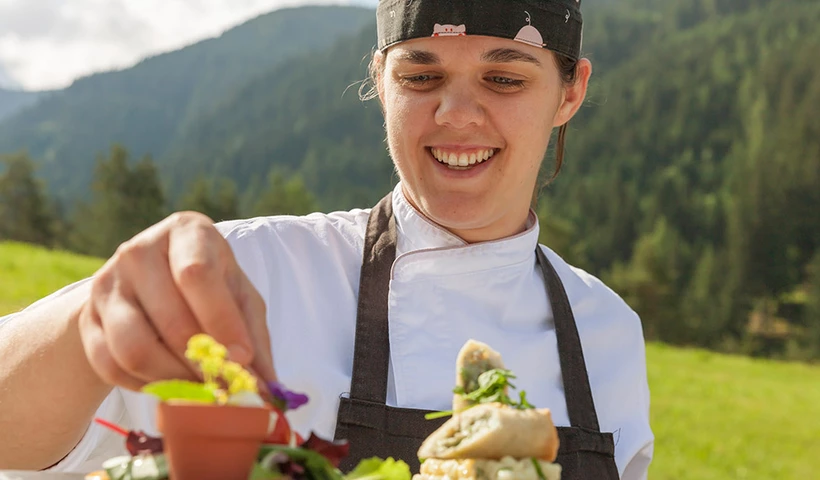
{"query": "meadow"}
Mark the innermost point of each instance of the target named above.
(714, 416)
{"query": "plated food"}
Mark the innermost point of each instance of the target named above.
(229, 427)
(490, 436)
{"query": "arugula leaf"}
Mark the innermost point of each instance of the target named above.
(377, 469)
(491, 389)
(434, 415)
(180, 390)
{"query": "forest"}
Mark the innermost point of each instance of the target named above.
(691, 183)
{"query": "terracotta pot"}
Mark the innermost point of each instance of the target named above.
(204, 442)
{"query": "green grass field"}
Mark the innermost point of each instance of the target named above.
(28, 273)
(714, 416)
(726, 417)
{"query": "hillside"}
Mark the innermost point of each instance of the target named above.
(714, 416)
(692, 177)
(143, 107)
(13, 101)
(303, 116)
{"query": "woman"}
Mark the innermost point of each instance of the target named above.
(366, 310)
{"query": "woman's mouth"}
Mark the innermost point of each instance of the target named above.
(462, 159)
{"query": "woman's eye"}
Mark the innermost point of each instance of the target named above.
(418, 80)
(506, 82)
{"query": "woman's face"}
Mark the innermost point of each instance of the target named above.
(468, 122)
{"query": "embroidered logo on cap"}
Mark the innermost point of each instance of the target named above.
(448, 30)
(530, 35)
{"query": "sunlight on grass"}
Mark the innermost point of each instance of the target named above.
(714, 416)
(29, 273)
(731, 417)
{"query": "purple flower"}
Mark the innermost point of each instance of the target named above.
(289, 400)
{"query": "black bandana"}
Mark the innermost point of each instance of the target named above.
(551, 24)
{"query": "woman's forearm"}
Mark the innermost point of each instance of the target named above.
(48, 391)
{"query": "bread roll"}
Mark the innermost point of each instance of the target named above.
(493, 431)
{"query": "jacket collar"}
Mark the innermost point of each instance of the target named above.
(424, 245)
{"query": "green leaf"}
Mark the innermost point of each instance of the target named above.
(377, 469)
(261, 473)
(538, 469)
(434, 415)
(317, 466)
(491, 389)
(180, 390)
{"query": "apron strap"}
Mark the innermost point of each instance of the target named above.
(578, 393)
(371, 352)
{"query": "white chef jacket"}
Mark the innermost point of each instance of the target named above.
(443, 292)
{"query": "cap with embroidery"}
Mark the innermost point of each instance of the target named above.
(552, 24)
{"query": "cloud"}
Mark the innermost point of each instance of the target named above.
(49, 43)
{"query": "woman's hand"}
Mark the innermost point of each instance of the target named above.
(169, 282)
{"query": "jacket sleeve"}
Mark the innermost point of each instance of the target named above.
(638, 467)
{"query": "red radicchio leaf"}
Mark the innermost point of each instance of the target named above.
(138, 442)
(333, 451)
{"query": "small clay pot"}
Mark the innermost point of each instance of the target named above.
(211, 442)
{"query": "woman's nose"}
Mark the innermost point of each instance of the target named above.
(459, 108)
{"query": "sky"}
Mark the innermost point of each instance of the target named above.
(47, 44)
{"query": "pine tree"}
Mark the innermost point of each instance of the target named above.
(25, 212)
(216, 199)
(285, 197)
(125, 201)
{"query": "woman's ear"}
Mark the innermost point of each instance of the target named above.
(573, 96)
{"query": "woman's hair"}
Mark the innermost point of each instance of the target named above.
(368, 90)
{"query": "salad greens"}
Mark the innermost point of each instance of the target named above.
(276, 462)
(227, 382)
(491, 387)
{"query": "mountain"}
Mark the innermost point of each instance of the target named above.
(691, 181)
(303, 116)
(14, 101)
(692, 175)
(145, 106)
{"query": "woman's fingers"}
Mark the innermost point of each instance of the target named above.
(156, 293)
(136, 347)
(199, 260)
(131, 340)
(170, 282)
(99, 356)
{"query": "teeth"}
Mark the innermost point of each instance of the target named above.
(463, 159)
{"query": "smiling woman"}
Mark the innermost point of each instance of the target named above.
(365, 310)
(449, 102)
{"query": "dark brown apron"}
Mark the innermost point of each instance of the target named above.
(375, 429)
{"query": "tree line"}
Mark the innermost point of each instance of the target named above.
(126, 197)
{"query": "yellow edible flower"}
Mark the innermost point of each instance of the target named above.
(244, 382)
(199, 347)
(211, 367)
(231, 370)
(211, 357)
